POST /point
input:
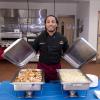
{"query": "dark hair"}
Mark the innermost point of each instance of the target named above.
(51, 16)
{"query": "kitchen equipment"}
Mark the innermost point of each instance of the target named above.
(73, 80)
(19, 52)
(79, 53)
(77, 80)
(28, 80)
(7, 38)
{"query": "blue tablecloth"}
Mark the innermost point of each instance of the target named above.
(50, 91)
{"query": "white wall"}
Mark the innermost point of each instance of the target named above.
(83, 15)
(93, 21)
(61, 8)
(66, 8)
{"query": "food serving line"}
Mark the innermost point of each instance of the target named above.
(50, 91)
(29, 80)
(72, 82)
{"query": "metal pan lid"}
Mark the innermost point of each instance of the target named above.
(80, 53)
(19, 53)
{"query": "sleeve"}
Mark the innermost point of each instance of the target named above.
(65, 45)
(35, 44)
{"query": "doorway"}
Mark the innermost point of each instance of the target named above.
(98, 40)
(66, 27)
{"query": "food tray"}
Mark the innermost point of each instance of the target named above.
(31, 83)
(73, 79)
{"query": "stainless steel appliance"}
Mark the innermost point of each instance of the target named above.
(24, 20)
(21, 23)
(7, 38)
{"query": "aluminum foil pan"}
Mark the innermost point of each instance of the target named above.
(73, 79)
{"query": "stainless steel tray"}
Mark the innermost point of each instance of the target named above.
(80, 53)
(27, 86)
(77, 81)
(19, 53)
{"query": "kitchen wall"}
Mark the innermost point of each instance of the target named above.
(60, 9)
(93, 21)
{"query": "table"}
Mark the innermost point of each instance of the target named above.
(50, 91)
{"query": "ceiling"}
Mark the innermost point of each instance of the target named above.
(45, 1)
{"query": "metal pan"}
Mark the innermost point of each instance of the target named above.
(73, 82)
(27, 86)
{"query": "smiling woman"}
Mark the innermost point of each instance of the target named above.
(51, 45)
(51, 24)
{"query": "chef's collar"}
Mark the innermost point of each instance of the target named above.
(47, 34)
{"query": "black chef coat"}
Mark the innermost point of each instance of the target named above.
(50, 47)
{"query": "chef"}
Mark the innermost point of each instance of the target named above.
(51, 45)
